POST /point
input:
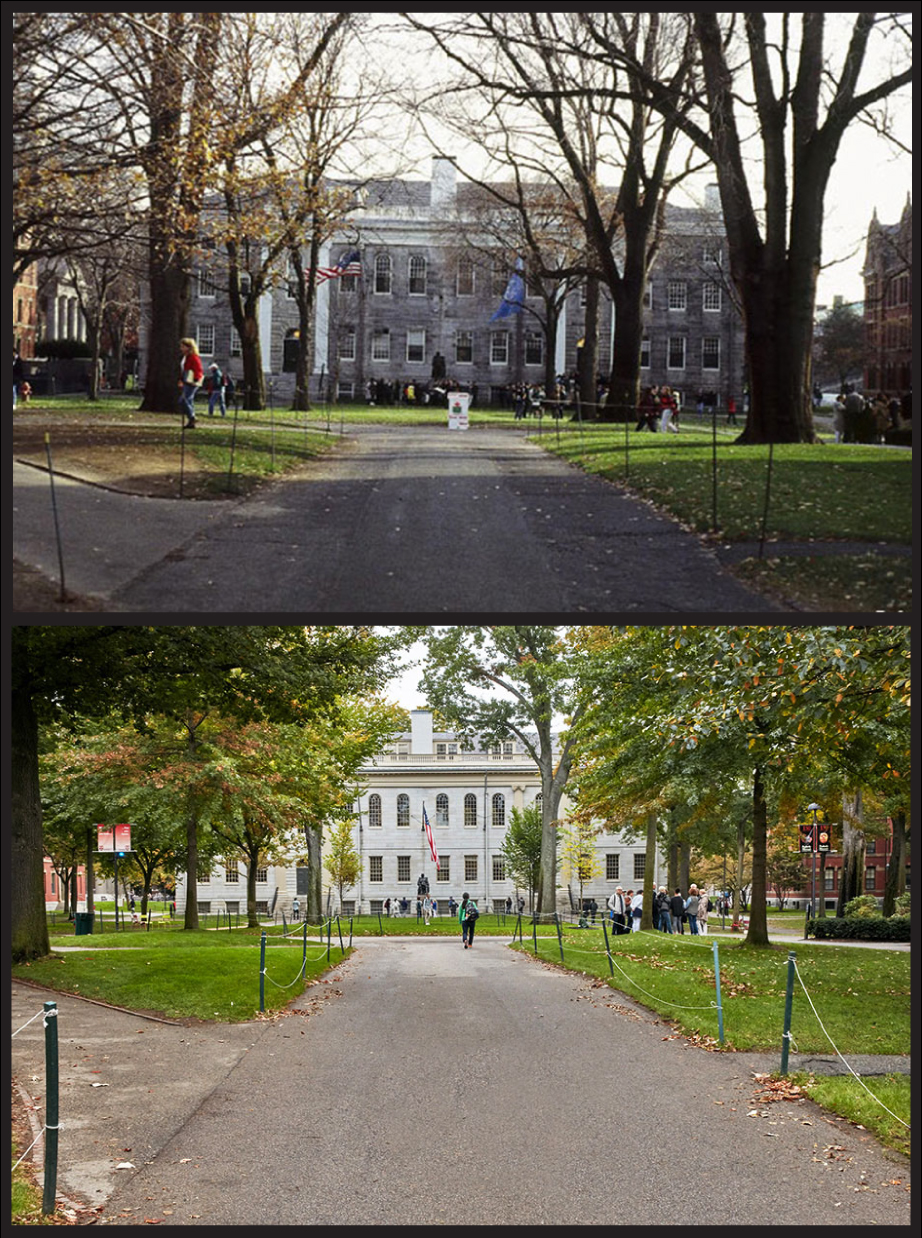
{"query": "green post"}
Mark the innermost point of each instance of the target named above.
(607, 947)
(262, 971)
(720, 1009)
(534, 931)
(788, 1002)
(329, 935)
(380, 926)
(51, 1107)
(304, 949)
(559, 934)
(339, 929)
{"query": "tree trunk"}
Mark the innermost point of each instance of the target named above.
(758, 919)
(28, 927)
(851, 874)
(649, 875)
(896, 869)
(169, 315)
(588, 365)
(624, 386)
(314, 908)
(252, 917)
(778, 351)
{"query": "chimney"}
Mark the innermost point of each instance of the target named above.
(442, 190)
(712, 197)
(421, 731)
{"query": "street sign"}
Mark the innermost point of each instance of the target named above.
(113, 838)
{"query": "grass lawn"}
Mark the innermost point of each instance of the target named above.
(818, 492)
(845, 1095)
(201, 975)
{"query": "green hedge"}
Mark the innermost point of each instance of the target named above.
(895, 928)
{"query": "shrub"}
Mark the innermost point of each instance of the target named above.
(901, 906)
(863, 907)
(896, 928)
(65, 350)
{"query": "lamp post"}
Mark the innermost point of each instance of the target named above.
(814, 808)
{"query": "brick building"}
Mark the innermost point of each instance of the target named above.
(888, 305)
(425, 297)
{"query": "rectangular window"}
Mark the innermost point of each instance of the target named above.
(231, 872)
(676, 352)
(710, 352)
(382, 274)
(499, 868)
(499, 348)
(206, 283)
(262, 874)
(534, 348)
(711, 253)
(645, 353)
(236, 349)
(470, 868)
(648, 296)
(613, 867)
(464, 347)
(712, 298)
(416, 345)
(417, 277)
(403, 868)
(444, 872)
(381, 345)
(205, 339)
(376, 868)
(499, 277)
(204, 875)
(677, 294)
(870, 878)
(203, 908)
(640, 864)
(465, 281)
(347, 344)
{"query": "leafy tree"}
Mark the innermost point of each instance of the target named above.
(535, 670)
(578, 851)
(342, 861)
(276, 673)
(521, 849)
(840, 347)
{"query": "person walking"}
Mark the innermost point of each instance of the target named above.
(216, 390)
(467, 914)
(295, 908)
(192, 376)
(677, 911)
(691, 909)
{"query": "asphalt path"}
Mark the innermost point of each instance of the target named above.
(397, 519)
(425, 1084)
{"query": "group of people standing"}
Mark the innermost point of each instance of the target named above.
(671, 912)
(218, 384)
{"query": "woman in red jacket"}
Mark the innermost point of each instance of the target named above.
(192, 376)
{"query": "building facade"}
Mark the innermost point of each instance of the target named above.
(468, 797)
(419, 313)
(888, 305)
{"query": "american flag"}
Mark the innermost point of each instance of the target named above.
(350, 264)
(432, 846)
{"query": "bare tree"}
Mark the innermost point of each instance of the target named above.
(774, 94)
(576, 117)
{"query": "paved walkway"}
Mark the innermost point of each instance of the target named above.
(399, 519)
(426, 1084)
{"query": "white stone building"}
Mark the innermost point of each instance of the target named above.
(468, 797)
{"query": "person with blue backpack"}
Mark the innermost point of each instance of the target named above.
(467, 914)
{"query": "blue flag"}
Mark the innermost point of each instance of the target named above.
(514, 296)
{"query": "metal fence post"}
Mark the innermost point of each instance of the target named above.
(607, 946)
(51, 1107)
(559, 934)
(720, 1009)
(262, 971)
(788, 1002)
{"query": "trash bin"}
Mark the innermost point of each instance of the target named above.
(83, 923)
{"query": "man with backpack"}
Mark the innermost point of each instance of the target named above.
(467, 914)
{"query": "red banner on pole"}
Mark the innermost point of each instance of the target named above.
(113, 837)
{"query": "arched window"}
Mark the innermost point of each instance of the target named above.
(374, 811)
(403, 810)
(382, 273)
(441, 810)
(470, 811)
(499, 811)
